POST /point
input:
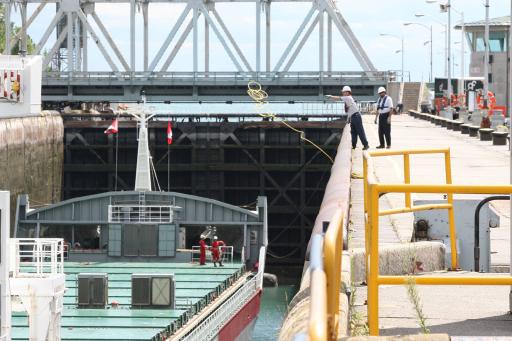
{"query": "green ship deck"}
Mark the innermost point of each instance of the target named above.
(195, 287)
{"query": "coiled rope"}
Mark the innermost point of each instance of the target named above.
(255, 91)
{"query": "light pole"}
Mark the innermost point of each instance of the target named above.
(486, 56)
(420, 15)
(510, 134)
(402, 50)
(450, 90)
(431, 43)
(462, 44)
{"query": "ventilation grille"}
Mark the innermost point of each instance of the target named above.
(92, 290)
(153, 290)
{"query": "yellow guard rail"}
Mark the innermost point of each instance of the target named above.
(325, 281)
(373, 190)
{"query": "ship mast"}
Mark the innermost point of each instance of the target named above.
(143, 172)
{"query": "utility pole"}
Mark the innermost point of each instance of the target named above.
(462, 43)
(510, 134)
(486, 57)
(430, 79)
(449, 28)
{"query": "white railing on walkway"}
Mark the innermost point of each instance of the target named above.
(40, 257)
(140, 214)
(211, 326)
(227, 254)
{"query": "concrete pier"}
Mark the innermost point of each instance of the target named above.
(31, 156)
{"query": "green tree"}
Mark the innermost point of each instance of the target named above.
(15, 49)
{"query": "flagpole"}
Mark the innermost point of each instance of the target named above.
(117, 153)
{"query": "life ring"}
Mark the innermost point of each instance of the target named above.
(462, 100)
(443, 102)
(454, 100)
(490, 98)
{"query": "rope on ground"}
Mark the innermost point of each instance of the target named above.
(255, 91)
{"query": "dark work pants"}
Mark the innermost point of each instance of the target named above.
(357, 129)
(384, 130)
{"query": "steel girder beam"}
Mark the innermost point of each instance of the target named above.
(58, 43)
(302, 42)
(350, 38)
(213, 21)
(27, 23)
(48, 31)
(170, 37)
(95, 37)
(110, 41)
(176, 48)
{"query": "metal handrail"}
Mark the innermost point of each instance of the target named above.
(210, 327)
(40, 257)
(227, 253)
(140, 213)
(216, 76)
(373, 189)
(369, 177)
(318, 325)
(325, 281)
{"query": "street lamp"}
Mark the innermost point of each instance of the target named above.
(431, 43)
(420, 15)
(510, 134)
(462, 42)
(402, 50)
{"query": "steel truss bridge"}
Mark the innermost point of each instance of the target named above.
(70, 78)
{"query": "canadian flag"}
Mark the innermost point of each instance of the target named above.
(112, 128)
(169, 133)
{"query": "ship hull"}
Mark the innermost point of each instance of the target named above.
(241, 326)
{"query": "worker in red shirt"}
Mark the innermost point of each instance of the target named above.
(202, 251)
(217, 251)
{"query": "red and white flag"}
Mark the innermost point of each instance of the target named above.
(169, 133)
(113, 128)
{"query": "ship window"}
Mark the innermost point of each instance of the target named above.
(56, 231)
(87, 237)
(26, 231)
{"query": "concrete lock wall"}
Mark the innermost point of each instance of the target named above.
(31, 157)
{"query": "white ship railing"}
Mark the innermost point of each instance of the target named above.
(211, 326)
(40, 257)
(227, 254)
(140, 214)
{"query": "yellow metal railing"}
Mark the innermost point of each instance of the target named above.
(325, 277)
(407, 180)
(373, 190)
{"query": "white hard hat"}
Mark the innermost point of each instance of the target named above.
(215, 237)
(346, 88)
(381, 89)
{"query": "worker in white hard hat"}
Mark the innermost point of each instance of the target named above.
(383, 115)
(353, 116)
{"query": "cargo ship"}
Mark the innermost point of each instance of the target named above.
(123, 265)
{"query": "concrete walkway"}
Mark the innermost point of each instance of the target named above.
(477, 311)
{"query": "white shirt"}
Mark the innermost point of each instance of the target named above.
(350, 105)
(388, 104)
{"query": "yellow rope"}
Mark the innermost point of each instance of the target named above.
(260, 96)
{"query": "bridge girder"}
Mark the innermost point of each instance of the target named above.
(74, 18)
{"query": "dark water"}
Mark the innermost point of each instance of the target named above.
(273, 309)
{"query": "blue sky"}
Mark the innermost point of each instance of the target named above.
(368, 19)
